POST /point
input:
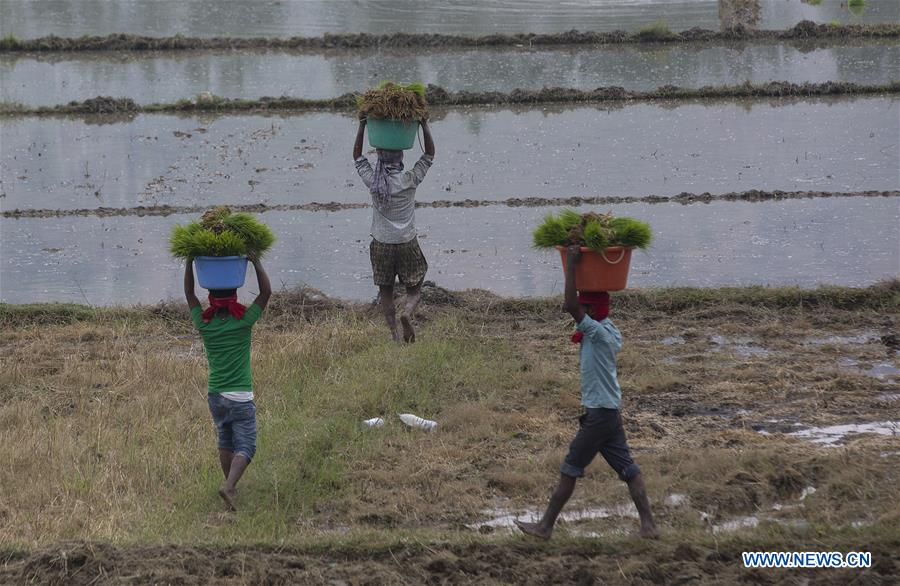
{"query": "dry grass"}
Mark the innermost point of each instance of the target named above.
(112, 440)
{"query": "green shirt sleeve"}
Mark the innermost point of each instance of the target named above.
(252, 314)
(196, 317)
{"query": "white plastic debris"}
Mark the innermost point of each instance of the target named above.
(417, 422)
(374, 422)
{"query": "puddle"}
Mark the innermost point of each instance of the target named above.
(118, 260)
(469, 17)
(861, 338)
(881, 370)
(672, 340)
(740, 346)
(677, 499)
(169, 77)
(888, 397)
(736, 524)
(500, 518)
(836, 434)
(735, 146)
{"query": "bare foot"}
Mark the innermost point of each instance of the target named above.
(230, 498)
(650, 532)
(533, 529)
(409, 333)
(395, 334)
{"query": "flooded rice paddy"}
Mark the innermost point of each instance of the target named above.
(58, 78)
(123, 260)
(482, 153)
(32, 18)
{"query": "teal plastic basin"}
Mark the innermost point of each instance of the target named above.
(392, 135)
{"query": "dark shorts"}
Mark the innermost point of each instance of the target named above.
(600, 432)
(392, 260)
(235, 423)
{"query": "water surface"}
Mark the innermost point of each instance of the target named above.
(167, 77)
(482, 153)
(72, 18)
(124, 260)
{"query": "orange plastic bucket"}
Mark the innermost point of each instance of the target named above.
(600, 271)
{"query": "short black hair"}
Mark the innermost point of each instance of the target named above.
(219, 293)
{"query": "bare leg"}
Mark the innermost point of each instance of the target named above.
(225, 458)
(386, 298)
(228, 491)
(544, 528)
(413, 296)
(639, 496)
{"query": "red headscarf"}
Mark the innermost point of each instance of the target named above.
(231, 303)
(598, 308)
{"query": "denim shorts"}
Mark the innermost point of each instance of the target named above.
(600, 431)
(236, 424)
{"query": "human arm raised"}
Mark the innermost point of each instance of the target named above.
(189, 294)
(575, 309)
(265, 287)
(429, 141)
(358, 145)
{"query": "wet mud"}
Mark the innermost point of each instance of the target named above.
(127, 42)
(440, 97)
(684, 198)
(597, 562)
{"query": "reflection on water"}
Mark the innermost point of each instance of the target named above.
(172, 76)
(482, 153)
(32, 18)
(124, 260)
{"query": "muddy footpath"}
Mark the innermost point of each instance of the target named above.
(440, 97)
(128, 42)
(684, 198)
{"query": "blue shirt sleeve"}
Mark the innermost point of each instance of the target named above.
(600, 331)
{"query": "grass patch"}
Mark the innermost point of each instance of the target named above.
(10, 42)
(656, 31)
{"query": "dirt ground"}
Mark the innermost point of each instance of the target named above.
(764, 420)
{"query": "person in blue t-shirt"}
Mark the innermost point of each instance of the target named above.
(600, 429)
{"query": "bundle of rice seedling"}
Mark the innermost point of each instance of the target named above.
(595, 231)
(393, 101)
(221, 233)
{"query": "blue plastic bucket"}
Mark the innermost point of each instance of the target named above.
(392, 135)
(221, 272)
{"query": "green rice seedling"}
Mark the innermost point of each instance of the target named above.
(257, 236)
(595, 237)
(856, 7)
(596, 231)
(550, 233)
(630, 232)
(221, 233)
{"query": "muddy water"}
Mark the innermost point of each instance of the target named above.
(483, 153)
(32, 18)
(176, 75)
(124, 259)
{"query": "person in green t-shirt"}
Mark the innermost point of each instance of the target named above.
(225, 328)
